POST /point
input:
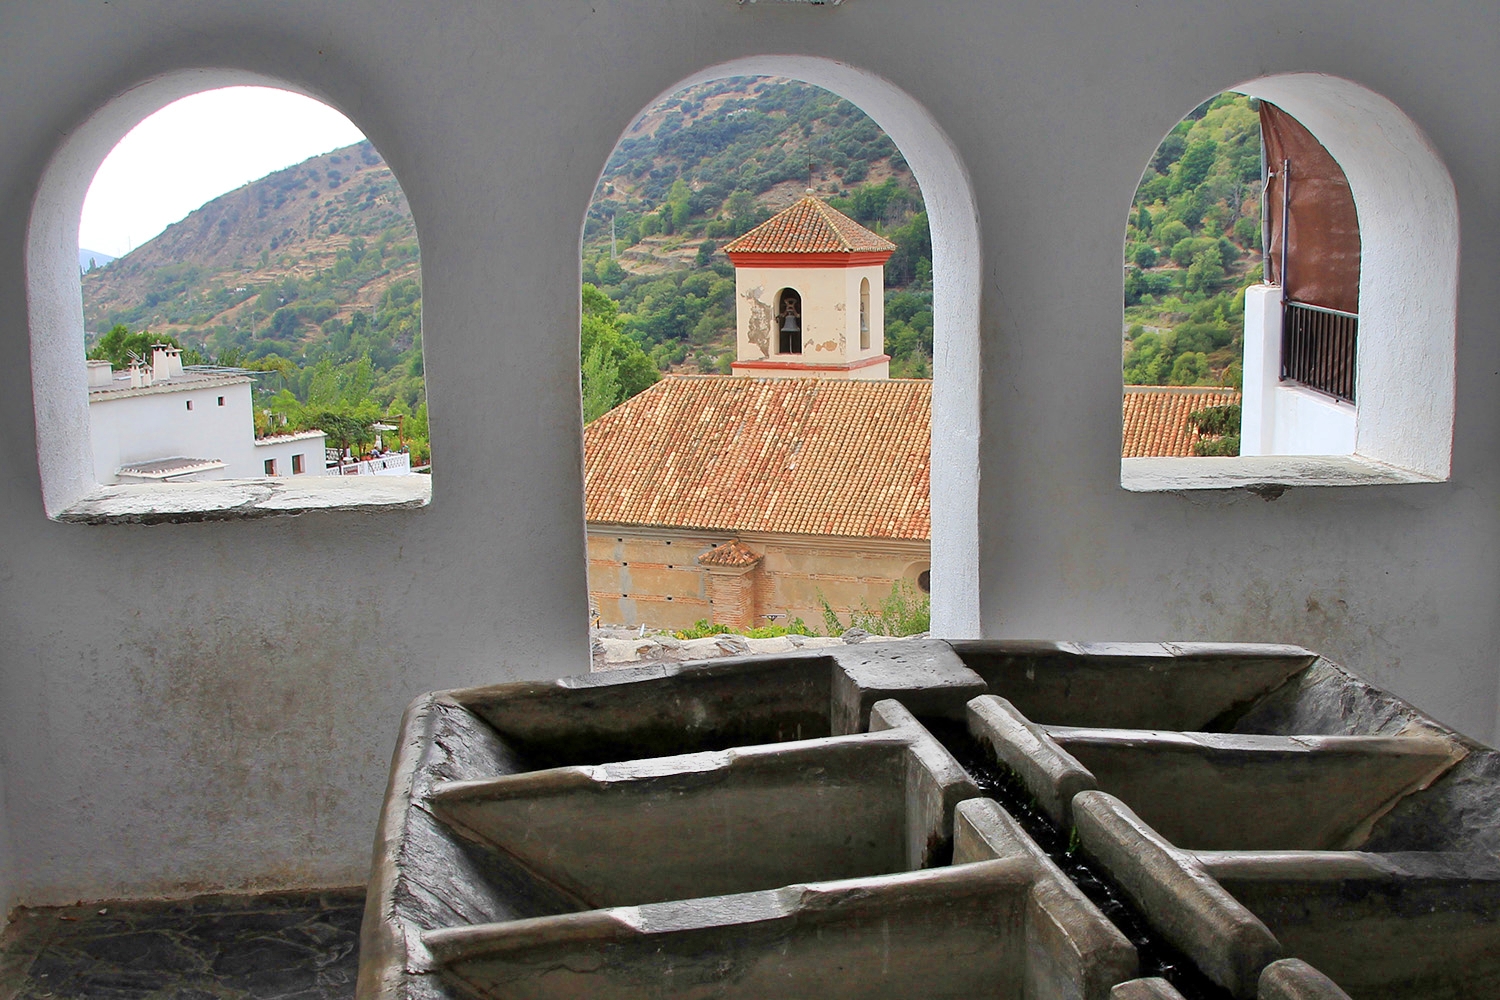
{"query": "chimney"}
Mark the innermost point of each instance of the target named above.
(165, 362)
(140, 376)
(101, 374)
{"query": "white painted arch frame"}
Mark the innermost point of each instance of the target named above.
(1408, 295)
(953, 218)
(55, 313)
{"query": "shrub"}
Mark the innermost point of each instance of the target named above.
(903, 612)
(703, 628)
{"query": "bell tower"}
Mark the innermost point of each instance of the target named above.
(810, 296)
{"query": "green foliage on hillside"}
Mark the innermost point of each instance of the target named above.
(1192, 246)
(614, 367)
(121, 348)
(761, 133)
(706, 173)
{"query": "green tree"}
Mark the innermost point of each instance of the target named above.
(120, 347)
(1183, 251)
(632, 367)
(1189, 369)
(1149, 360)
(1170, 233)
(1206, 271)
(356, 382)
(342, 430)
(601, 382)
(323, 386)
(1196, 162)
(678, 207)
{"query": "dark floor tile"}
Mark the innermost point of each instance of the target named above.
(225, 928)
(266, 983)
(348, 918)
(263, 954)
(280, 946)
(155, 950)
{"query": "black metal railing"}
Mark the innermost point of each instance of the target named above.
(1317, 348)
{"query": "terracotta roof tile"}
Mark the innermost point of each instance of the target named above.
(1156, 418)
(803, 456)
(728, 554)
(809, 226)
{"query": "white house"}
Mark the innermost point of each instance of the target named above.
(167, 423)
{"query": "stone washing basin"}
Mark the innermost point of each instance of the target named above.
(811, 825)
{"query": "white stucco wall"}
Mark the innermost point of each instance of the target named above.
(876, 336)
(830, 312)
(152, 425)
(203, 705)
(1279, 418)
(310, 448)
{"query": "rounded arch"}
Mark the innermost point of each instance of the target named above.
(1408, 284)
(54, 291)
(953, 219)
(788, 320)
(864, 314)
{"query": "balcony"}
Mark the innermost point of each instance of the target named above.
(395, 464)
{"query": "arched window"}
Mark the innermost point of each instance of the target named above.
(789, 321)
(955, 283)
(1275, 199)
(864, 314)
(66, 391)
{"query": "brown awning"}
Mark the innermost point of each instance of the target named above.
(1322, 254)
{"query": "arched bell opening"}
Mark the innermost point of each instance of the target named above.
(864, 314)
(789, 321)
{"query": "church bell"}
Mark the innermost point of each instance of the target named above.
(790, 324)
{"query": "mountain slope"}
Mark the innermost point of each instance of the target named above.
(711, 162)
(229, 266)
(319, 262)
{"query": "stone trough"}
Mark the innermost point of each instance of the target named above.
(801, 826)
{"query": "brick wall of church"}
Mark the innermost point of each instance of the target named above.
(651, 576)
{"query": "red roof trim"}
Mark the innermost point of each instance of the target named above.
(821, 258)
(805, 366)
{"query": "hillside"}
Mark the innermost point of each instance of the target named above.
(263, 267)
(1192, 246)
(711, 162)
(312, 273)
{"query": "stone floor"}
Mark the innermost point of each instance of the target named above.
(286, 946)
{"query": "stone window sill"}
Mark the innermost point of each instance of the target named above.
(1260, 473)
(244, 499)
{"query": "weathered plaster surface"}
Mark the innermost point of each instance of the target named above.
(760, 319)
(212, 704)
(237, 499)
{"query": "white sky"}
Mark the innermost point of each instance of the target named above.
(196, 149)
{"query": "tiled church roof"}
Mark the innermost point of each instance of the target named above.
(809, 226)
(1156, 418)
(803, 456)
